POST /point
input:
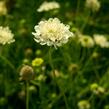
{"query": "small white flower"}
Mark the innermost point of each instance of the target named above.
(101, 40)
(3, 9)
(94, 5)
(52, 32)
(86, 41)
(46, 6)
(6, 36)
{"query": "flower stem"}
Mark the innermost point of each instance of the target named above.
(77, 12)
(86, 21)
(56, 82)
(78, 6)
(7, 62)
(27, 95)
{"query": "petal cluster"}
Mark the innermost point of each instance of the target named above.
(101, 41)
(46, 6)
(86, 41)
(94, 5)
(52, 32)
(6, 36)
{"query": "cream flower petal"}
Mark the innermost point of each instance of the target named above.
(52, 32)
(6, 36)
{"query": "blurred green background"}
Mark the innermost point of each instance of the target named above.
(77, 68)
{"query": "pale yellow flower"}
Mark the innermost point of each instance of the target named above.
(94, 86)
(37, 62)
(46, 6)
(52, 32)
(83, 104)
(94, 5)
(86, 41)
(101, 40)
(6, 36)
(96, 89)
(3, 9)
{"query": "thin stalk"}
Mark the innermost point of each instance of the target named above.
(86, 22)
(78, 6)
(27, 95)
(56, 82)
(5, 74)
(7, 62)
(77, 11)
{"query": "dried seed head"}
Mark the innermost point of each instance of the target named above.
(26, 73)
(73, 68)
(22, 94)
(28, 52)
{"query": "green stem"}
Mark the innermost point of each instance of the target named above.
(27, 95)
(7, 62)
(77, 12)
(54, 77)
(5, 75)
(86, 22)
(78, 6)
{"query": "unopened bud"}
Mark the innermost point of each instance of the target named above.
(26, 73)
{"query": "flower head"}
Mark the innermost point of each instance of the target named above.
(101, 41)
(86, 41)
(52, 32)
(96, 89)
(94, 5)
(73, 67)
(3, 9)
(37, 62)
(6, 36)
(106, 106)
(83, 104)
(26, 73)
(46, 6)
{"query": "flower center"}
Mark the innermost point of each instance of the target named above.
(85, 40)
(51, 31)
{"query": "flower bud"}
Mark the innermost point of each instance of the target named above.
(26, 73)
(83, 104)
(94, 5)
(3, 101)
(28, 52)
(32, 89)
(22, 94)
(37, 62)
(96, 89)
